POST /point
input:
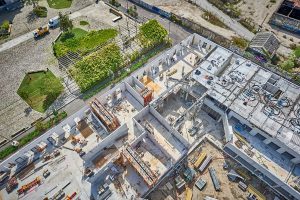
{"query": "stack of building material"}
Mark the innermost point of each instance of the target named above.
(139, 165)
(200, 159)
(205, 163)
(214, 178)
(147, 95)
(28, 186)
(108, 119)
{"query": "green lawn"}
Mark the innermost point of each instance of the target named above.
(80, 40)
(59, 4)
(40, 90)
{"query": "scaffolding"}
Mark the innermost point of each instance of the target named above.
(110, 121)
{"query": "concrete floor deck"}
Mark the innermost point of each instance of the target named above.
(263, 154)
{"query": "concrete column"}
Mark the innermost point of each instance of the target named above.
(253, 132)
(281, 150)
(268, 140)
(296, 160)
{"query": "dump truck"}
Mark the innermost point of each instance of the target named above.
(41, 31)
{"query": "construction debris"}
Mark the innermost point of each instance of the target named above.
(30, 185)
(110, 121)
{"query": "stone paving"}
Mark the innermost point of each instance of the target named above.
(31, 55)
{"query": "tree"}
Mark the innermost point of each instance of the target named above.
(34, 3)
(65, 23)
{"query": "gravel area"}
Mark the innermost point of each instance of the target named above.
(191, 12)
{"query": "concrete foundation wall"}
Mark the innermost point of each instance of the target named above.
(107, 142)
(169, 128)
(134, 93)
(161, 148)
(142, 113)
(138, 139)
(227, 128)
(138, 126)
(138, 82)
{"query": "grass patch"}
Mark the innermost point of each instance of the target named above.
(80, 40)
(40, 11)
(40, 90)
(34, 134)
(208, 16)
(59, 4)
(84, 23)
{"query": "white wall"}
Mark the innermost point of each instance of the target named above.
(169, 128)
(106, 142)
(227, 128)
(135, 94)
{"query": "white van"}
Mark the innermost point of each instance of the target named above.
(53, 22)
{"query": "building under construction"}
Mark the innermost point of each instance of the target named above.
(128, 140)
(287, 16)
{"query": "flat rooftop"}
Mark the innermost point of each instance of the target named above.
(263, 98)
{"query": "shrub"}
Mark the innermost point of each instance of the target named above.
(240, 42)
(84, 23)
(152, 33)
(5, 25)
(40, 11)
(31, 136)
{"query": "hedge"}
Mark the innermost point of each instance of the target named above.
(34, 134)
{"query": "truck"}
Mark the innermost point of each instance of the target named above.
(41, 31)
(53, 22)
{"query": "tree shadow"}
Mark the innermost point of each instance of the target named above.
(11, 11)
(31, 17)
(65, 36)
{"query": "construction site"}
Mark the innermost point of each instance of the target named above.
(197, 122)
(194, 180)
